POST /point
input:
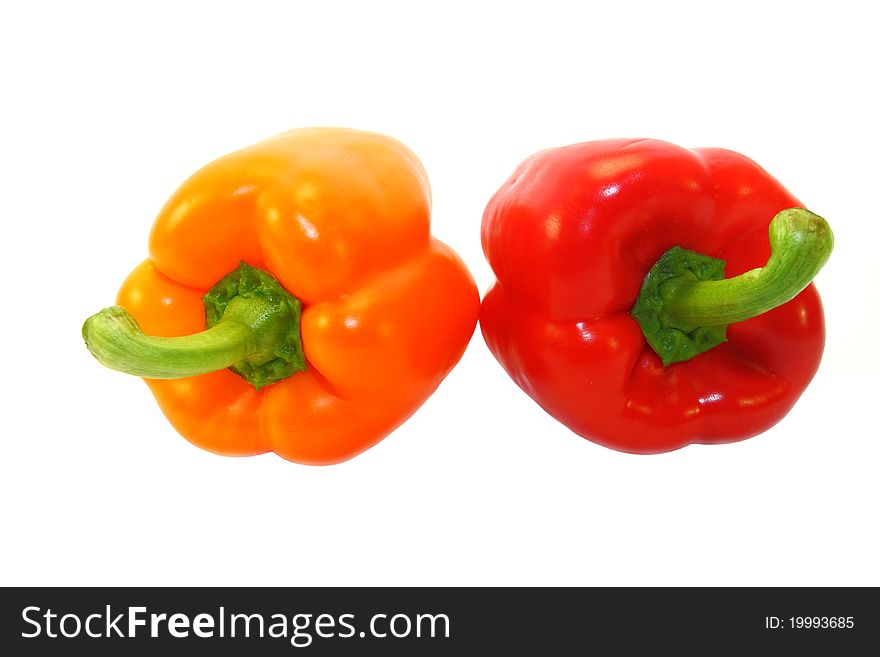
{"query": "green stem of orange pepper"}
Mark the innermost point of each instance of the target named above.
(252, 328)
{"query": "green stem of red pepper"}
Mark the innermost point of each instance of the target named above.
(685, 304)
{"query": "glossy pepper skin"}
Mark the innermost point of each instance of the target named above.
(571, 236)
(341, 219)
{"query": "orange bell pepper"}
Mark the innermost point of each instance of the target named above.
(294, 300)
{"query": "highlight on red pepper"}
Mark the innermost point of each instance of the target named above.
(294, 300)
(649, 296)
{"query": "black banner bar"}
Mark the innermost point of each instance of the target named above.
(436, 621)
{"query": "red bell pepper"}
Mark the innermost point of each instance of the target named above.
(609, 310)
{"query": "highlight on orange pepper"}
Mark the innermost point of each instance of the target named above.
(294, 300)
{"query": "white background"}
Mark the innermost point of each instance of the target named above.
(106, 108)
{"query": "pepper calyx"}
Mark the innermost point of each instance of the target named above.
(673, 343)
(685, 303)
(253, 328)
(253, 297)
